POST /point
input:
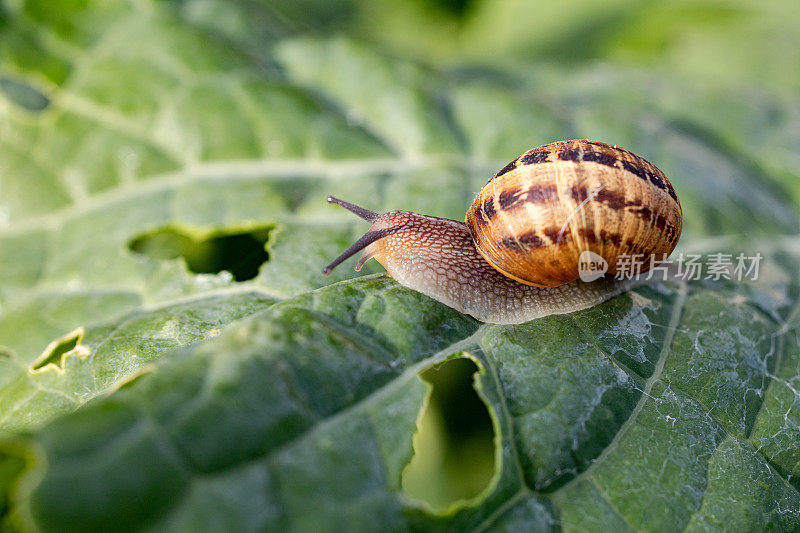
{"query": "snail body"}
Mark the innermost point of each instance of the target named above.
(517, 256)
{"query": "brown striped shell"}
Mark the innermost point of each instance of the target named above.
(535, 217)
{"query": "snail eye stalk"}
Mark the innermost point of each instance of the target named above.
(367, 239)
(366, 214)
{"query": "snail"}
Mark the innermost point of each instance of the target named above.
(517, 256)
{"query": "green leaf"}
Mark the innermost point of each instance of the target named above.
(172, 358)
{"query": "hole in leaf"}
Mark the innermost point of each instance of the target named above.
(454, 447)
(240, 253)
(24, 94)
(57, 351)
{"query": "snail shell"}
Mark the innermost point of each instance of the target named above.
(535, 217)
(517, 256)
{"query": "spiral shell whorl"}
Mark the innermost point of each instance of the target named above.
(535, 216)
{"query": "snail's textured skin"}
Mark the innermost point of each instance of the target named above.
(535, 216)
(437, 257)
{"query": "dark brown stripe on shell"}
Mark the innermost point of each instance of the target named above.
(534, 157)
(579, 193)
(659, 221)
(513, 198)
(674, 195)
(523, 242)
(531, 239)
(569, 154)
(537, 195)
(488, 208)
(644, 174)
(614, 199)
(509, 198)
(578, 154)
(647, 175)
(613, 238)
(508, 168)
(604, 237)
(552, 233)
(603, 158)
